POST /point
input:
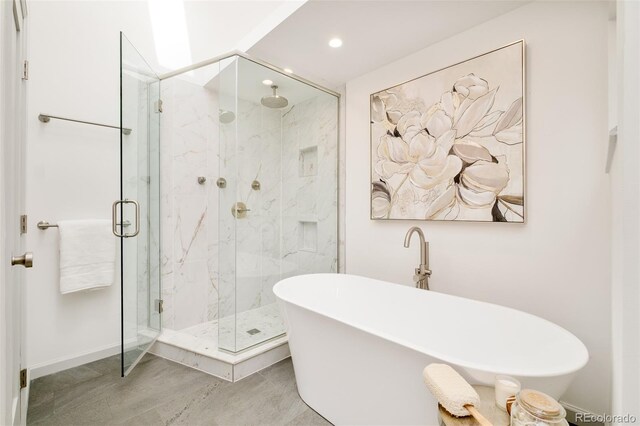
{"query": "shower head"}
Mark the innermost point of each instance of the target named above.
(275, 100)
(226, 117)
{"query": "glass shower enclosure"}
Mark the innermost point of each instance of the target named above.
(229, 181)
(278, 211)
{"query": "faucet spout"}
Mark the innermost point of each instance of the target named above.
(407, 238)
(422, 272)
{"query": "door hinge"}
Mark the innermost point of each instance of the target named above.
(23, 224)
(159, 105)
(159, 305)
(25, 70)
(23, 378)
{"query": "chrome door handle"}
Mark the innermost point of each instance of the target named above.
(114, 218)
(25, 260)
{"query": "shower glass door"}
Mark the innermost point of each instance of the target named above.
(137, 213)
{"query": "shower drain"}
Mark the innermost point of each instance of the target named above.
(253, 331)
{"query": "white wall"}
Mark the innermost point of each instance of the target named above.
(73, 170)
(557, 265)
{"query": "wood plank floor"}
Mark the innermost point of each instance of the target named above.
(161, 392)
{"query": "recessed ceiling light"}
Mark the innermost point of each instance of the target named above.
(267, 82)
(288, 70)
(335, 42)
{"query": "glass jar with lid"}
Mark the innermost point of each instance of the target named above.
(533, 408)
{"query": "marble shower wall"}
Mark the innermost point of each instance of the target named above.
(251, 150)
(189, 145)
(291, 227)
(309, 187)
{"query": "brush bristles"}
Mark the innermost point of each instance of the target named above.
(450, 389)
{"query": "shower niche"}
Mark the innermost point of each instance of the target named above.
(267, 144)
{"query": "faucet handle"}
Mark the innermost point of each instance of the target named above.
(424, 270)
(421, 273)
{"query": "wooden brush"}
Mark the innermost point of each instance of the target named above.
(453, 392)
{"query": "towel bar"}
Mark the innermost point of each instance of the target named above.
(45, 118)
(43, 224)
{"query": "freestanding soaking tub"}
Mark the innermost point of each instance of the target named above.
(359, 347)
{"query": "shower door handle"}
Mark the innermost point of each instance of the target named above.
(114, 218)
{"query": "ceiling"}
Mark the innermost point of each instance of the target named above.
(172, 34)
(374, 33)
(216, 27)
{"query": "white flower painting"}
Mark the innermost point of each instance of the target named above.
(450, 145)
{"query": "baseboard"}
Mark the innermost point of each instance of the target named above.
(576, 415)
(60, 364)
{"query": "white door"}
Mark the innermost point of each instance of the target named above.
(12, 130)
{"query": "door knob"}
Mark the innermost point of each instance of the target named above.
(25, 260)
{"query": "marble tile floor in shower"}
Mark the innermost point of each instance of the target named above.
(161, 392)
(250, 327)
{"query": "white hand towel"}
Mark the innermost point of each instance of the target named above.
(87, 255)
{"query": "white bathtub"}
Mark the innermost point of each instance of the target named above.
(359, 347)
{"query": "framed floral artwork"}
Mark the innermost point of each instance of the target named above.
(450, 145)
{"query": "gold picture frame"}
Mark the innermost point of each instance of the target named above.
(450, 145)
